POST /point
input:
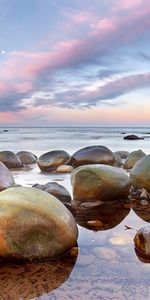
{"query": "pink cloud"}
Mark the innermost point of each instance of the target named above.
(21, 69)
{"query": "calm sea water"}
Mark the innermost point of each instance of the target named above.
(105, 265)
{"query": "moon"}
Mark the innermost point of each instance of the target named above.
(2, 52)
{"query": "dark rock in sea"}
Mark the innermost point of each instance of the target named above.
(92, 155)
(103, 217)
(6, 178)
(26, 157)
(57, 190)
(5, 130)
(34, 225)
(123, 132)
(140, 174)
(99, 182)
(122, 154)
(133, 158)
(50, 161)
(133, 137)
(10, 159)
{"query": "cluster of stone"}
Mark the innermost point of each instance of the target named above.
(41, 222)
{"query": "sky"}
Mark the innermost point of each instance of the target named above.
(74, 63)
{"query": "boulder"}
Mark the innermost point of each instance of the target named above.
(64, 169)
(133, 137)
(132, 159)
(26, 157)
(50, 161)
(119, 162)
(34, 225)
(6, 178)
(142, 243)
(122, 154)
(99, 182)
(10, 159)
(57, 190)
(140, 174)
(92, 155)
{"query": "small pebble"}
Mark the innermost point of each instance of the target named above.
(91, 204)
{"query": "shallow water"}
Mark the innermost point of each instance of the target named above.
(105, 265)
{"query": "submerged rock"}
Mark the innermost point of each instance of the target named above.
(57, 190)
(10, 159)
(133, 137)
(92, 155)
(50, 161)
(6, 178)
(133, 158)
(140, 174)
(99, 182)
(34, 225)
(26, 157)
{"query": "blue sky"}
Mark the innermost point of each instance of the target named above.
(74, 62)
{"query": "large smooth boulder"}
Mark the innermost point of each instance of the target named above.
(10, 159)
(34, 225)
(57, 190)
(132, 159)
(50, 161)
(6, 178)
(27, 157)
(99, 182)
(140, 174)
(92, 155)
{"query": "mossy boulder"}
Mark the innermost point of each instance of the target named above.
(132, 159)
(34, 225)
(6, 178)
(92, 155)
(27, 157)
(50, 161)
(10, 159)
(140, 174)
(99, 182)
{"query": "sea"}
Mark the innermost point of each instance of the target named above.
(104, 264)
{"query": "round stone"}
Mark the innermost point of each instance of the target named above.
(10, 159)
(92, 155)
(34, 225)
(26, 157)
(50, 161)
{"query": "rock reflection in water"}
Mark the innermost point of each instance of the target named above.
(142, 209)
(105, 216)
(32, 280)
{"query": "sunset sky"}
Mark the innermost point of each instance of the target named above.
(74, 62)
